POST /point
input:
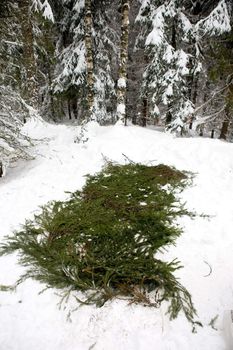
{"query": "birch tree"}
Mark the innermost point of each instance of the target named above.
(122, 81)
(89, 59)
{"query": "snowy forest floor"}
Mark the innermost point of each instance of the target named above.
(32, 321)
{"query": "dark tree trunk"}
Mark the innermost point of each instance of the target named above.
(51, 92)
(224, 129)
(69, 110)
(168, 115)
(144, 111)
(1, 169)
(173, 35)
(74, 107)
(191, 124)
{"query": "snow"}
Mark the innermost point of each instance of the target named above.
(79, 5)
(168, 54)
(32, 321)
(121, 83)
(186, 24)
(218, 22)
(45, 8)
(182, 61)
(121, 109)
(156, 36)
(47, 11)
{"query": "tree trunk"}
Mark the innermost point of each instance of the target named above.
(226, 122)
(224, 129)
(144, 111)
(89, 59)
(122, 81)
(69, 110)
(168, 115)
(74, 107)
(51, 97)
(31, 93)
(1, 169)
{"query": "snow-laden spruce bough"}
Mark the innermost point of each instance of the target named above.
(104, 240)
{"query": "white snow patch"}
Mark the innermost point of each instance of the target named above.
(121, 83)
(121, 108)
(32, 321)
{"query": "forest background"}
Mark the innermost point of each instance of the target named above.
(166, 64)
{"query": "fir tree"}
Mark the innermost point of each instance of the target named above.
(69, 84)
(166, 32)
(105, 43)
(174, 34)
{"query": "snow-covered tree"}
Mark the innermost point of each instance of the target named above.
(212, 111)
(106, 44)
(167, 34)
(72, 72)
(19, 76)
(12, 111)
(69, 83)
(173, 35)
(13, 144)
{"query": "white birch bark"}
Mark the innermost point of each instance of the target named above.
(122, 81)
(89, 60)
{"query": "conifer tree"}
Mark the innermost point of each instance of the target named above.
(166, 32)
(71, 74)
(211, 113)
(218, 111)
(19, 57)
(174, 34)
(106, 48)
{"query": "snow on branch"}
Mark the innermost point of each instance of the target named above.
(44, 8)
(217, 23)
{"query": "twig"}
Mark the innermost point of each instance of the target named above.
(130, 160)
(209, 267)
(213, 96)
(211, 116)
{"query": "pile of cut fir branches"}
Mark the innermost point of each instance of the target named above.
(104, 240)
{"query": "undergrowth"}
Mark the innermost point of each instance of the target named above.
(104, 240)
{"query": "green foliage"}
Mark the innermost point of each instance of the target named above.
(221, 68)
(104, 240)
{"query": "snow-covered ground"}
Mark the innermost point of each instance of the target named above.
(29, 321)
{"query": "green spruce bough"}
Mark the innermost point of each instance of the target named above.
(104, 240)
